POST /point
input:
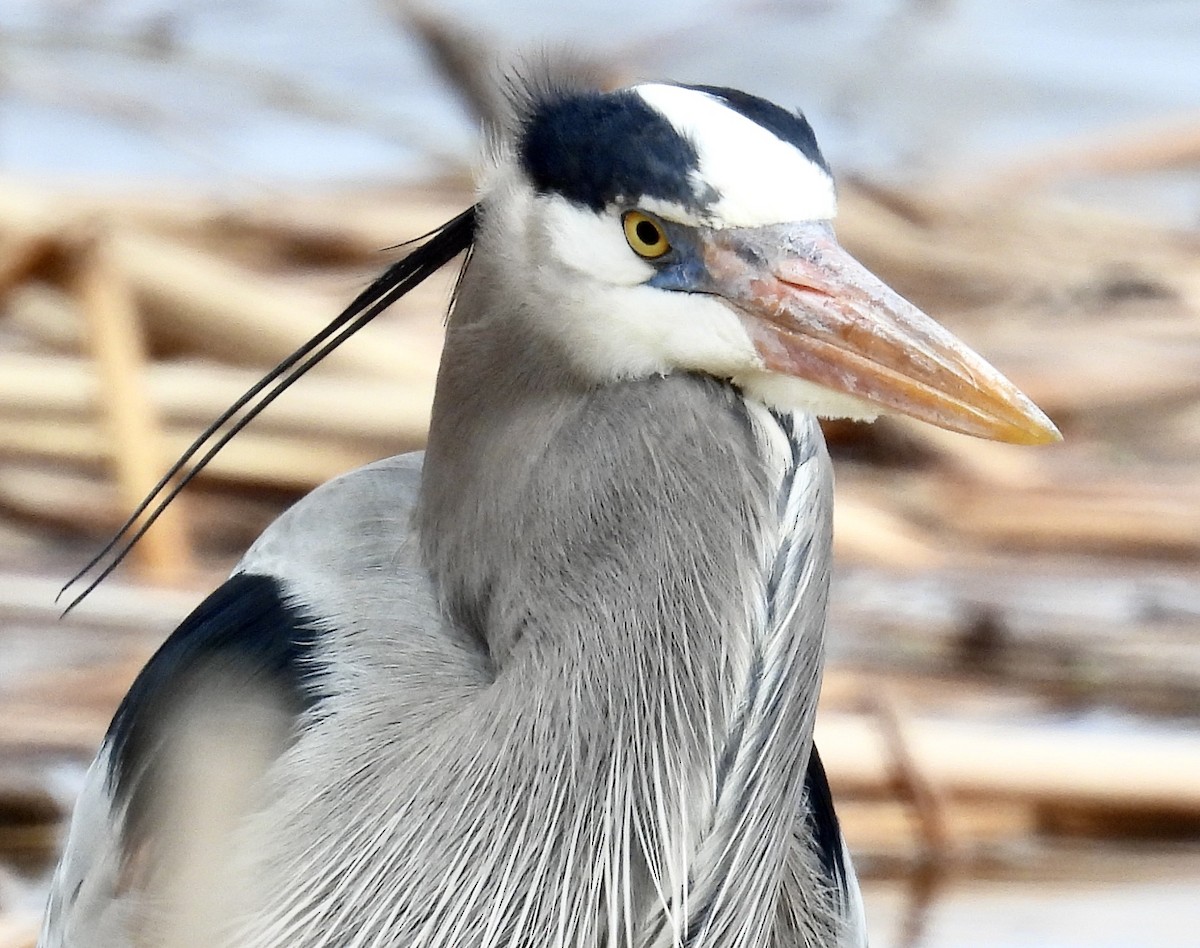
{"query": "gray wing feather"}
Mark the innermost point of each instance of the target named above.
(85, 905)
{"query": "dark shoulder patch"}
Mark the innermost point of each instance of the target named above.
(823, 821)
(791, 127)
(244, 629)
(597, 149)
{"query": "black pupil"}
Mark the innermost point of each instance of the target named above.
(647, 233)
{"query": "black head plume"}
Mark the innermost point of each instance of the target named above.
(438, 248)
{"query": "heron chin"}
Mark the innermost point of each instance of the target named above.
(552, 682)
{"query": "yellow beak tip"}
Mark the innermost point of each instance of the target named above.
(1038, 431)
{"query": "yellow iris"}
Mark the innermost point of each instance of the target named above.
(645, 235)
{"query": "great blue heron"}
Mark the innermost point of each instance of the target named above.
(555, 682)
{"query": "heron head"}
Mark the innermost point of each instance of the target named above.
(665, 228)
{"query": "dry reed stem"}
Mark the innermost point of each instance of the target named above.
(114, 331)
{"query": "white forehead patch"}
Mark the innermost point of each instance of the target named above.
(761, 179)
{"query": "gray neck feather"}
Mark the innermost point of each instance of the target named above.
(647, 565)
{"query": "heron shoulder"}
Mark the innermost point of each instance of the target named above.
(242, 651)
(259, 639)
(245, 627)
(262, 625)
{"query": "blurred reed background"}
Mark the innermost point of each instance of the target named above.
(188, 190)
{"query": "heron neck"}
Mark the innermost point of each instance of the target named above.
(550, 504)
(647, 563)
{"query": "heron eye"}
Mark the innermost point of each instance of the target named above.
(645, 235)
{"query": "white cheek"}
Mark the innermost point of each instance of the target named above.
(593, 245)
(634, 332)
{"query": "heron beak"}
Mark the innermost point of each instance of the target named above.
(815, 313)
